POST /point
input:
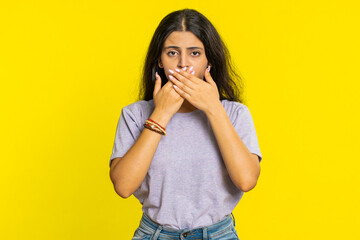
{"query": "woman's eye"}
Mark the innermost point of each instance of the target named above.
(196, 53)
(171, 53)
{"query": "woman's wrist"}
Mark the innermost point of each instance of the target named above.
(160, 117)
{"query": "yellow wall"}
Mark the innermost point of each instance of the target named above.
(68, 67)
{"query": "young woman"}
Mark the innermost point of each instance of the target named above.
(188, 149)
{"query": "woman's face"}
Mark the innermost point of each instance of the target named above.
(183, 49)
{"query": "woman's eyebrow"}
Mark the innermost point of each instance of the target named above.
(176, 47)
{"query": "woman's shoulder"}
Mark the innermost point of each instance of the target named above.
(140, 107)
(232, 106)
(237, 111)
(140, 104)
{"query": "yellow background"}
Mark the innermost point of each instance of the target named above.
(68, 67)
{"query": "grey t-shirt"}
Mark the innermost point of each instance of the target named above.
(187, 185)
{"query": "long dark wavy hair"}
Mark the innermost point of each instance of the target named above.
(222, 70)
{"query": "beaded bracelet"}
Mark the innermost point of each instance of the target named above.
(153, 128)
(152, 125)
(149, 119)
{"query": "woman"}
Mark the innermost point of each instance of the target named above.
(188, 150)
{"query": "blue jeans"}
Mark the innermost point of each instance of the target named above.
(149, 230)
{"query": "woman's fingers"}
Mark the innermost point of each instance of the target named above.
(186, 78)
(157, 84)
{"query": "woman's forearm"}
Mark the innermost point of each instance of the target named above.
(128, 173)
(243, 166)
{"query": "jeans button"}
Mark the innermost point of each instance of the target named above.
(185, 235)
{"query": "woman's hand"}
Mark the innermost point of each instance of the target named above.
(202, 95)
(166, 99)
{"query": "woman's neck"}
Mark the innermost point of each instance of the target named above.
(186, 107)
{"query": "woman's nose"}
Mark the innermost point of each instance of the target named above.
(183, 62)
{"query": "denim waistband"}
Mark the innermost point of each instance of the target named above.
(153, 227)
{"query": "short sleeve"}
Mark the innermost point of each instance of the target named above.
(244, 126)
(127, 132)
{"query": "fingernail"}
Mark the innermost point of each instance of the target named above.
(184, 68)
(178, 70)
(171, 71)
(171, 77)
(175, 86)
(156, 75)
(193, 72)
(208, 69)
(191, 68)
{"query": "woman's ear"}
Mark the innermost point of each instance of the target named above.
(160, 64)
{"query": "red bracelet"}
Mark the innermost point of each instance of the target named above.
(146, 125)
(149, 119)
(154, 127)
